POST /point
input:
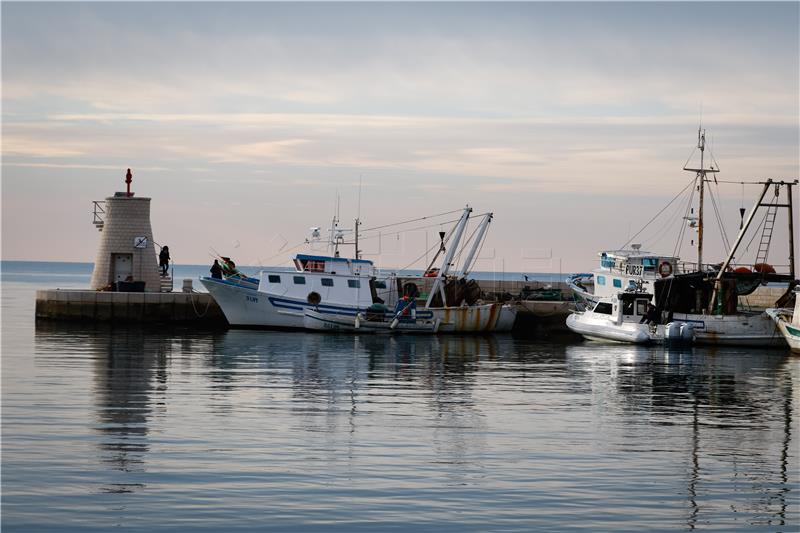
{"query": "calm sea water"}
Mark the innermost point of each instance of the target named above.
(175, 429)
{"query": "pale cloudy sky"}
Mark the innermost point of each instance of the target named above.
(570, 121)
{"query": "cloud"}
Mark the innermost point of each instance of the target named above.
(13, 145)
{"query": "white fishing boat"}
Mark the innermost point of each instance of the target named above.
(619, 318)
(694, 302)
(788, 322)
(335, 285)
(342, 288)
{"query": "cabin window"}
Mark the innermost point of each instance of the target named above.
(299, 280)
(627, 308)
(354, 283)
(606, 261)
(327, 282)
(274, 279)
(649, 264)
(617, 283)
(601, 280)
(380, 284)
(603, 307)
(314, 266)
(641, 307)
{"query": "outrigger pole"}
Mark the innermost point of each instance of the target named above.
(743, 230)
(469, 261)
(437, 283)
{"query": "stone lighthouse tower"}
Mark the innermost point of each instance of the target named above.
(126, 251)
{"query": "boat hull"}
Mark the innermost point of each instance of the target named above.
(790, 332)
(247, 307)
(484, 318)
(745, 329)
(599, 329)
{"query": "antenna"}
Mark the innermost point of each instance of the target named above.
(358, 210)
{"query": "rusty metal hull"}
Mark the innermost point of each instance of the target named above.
(485, 318)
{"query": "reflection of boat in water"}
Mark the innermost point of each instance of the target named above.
(788, 321)
(693, 303)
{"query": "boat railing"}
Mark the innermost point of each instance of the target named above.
(687, 267)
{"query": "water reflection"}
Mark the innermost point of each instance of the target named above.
(437, 413)
(734, 406)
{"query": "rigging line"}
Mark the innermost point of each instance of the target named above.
(679, 240)
(666, 229)
(725, 242)
(414, 220)
(740, 182)
(437, 224)
(690, 157)
(658, 235)
(682, 234)
(408, 230)
(429, 250)
(283, 252)
(691, 183)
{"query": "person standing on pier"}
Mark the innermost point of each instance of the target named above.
(163, 260)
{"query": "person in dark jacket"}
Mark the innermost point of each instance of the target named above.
(216, 270)
(651, 317)
(163, 260)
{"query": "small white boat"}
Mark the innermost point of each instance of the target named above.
(788, 322)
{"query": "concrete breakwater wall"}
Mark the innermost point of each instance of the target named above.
(129, 307)
(534, 316)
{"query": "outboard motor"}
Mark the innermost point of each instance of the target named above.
(672, 332)
(687, 332)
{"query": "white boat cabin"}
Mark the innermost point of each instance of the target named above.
(329, 281)
(333, 265)
(634, 269)
(627, 307)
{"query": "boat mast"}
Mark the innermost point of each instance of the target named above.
(791, 229)
(358, 252)
(701, 175)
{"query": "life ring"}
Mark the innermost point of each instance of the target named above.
(665, 269)
(314, 298)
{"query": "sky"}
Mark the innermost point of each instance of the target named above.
(245, 123)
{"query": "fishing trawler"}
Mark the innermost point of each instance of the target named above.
(696, 303)
(454, 299)
(333, 292)
(328, 283)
